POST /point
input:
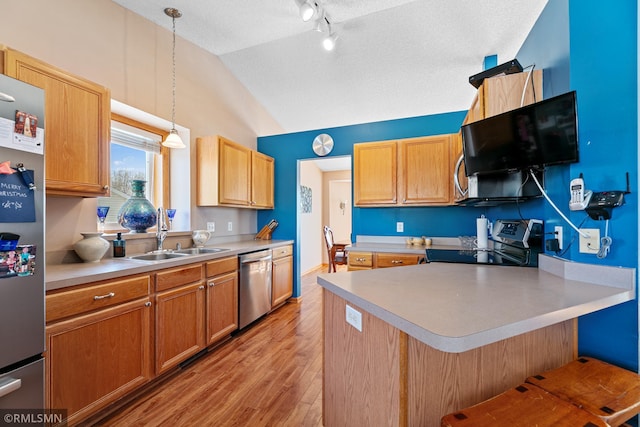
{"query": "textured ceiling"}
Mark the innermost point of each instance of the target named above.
(393, 58)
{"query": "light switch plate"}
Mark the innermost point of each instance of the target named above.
(211, 226)
(399, 227)
(354, 317)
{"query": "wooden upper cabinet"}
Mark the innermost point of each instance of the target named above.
(375, 166)
(230, 174)
(504, 93)
(426, 170)
(262, 170)
(235, 173)
(77, 116)
(457, 168)
(414, 171)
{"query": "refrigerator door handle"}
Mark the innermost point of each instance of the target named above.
(10, 386)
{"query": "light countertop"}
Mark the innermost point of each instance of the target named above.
(65, 275)
(458, 307)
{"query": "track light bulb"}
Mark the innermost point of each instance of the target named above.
(307, 10)
(329, 42)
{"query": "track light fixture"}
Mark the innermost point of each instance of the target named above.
(311, 8)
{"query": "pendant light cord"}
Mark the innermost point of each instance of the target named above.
(173, 61)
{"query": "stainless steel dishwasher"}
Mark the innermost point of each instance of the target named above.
(254, 297)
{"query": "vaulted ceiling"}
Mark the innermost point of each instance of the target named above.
(393, 58)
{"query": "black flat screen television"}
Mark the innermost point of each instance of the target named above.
(537, 135)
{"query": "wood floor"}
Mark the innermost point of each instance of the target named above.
(268, 375)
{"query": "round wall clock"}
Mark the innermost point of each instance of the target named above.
(322, 144)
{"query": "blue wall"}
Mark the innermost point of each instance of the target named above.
(583, 45)
(602, 35)
(574, 56)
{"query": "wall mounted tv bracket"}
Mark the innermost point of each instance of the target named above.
(603, 202)
(510, 67)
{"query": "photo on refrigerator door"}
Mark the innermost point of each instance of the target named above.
(20, 261)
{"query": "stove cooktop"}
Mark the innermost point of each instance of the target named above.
(506, 256)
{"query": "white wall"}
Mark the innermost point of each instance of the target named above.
(311, 241)
(105, 43)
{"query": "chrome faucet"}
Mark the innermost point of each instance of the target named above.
(161, 230)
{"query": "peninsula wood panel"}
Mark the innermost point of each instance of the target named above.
(362, 387)
(425, 165)
(95, 359)
(440, 383)
(375, 168)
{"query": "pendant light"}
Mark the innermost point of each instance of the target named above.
(173, 139)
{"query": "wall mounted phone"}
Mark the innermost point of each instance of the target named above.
(579, 196)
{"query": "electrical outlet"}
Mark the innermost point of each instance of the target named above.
(354, 318)
(591, 244)
(399, 227)
(211, 226)
(230, 226)
(558, 232)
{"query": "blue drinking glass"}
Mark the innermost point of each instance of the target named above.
(102, 215)
(170, 214)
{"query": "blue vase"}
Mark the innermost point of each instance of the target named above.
(137, 214)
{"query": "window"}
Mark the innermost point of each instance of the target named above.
(136, 153)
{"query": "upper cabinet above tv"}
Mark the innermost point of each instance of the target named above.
(504, 93)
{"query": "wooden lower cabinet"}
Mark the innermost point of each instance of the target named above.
(222, 306)
(360, 261)
(385, 260)
(222, 298)
(281, 275)
(370, 260)
(180, 315)
(94, 359)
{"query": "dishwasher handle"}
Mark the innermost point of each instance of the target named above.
(254, 260)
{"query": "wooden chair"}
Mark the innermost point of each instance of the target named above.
(609, 392)
(336, 252)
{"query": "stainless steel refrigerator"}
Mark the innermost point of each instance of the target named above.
(22, 263)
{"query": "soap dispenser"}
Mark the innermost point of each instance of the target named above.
(119, 246)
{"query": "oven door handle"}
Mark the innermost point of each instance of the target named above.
(10, 386)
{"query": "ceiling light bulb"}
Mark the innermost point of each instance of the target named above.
(173, 140)
(307, 10)
(329, 43)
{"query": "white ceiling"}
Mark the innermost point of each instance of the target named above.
(393, 59)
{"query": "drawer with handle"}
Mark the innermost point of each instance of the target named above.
(360, 259)
(65, 303)
(384, 260)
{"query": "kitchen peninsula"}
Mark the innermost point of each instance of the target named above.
(405, 346)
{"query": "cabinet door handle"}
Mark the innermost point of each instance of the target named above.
(109, 295)
(360, 259)
(147, 304)
(200, 287)
(211, 284)
(395, 261)
(105, 187)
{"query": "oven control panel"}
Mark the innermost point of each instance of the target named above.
(517, 231)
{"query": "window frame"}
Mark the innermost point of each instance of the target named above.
(163, 191)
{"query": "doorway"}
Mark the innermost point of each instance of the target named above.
(324, 198)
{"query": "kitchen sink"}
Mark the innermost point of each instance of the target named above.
(159, 256)
(198, 251)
